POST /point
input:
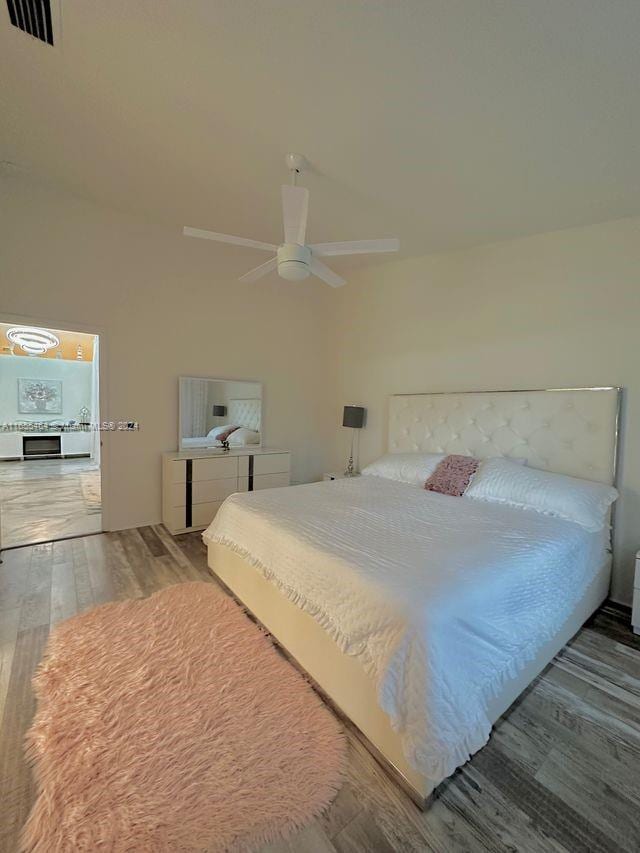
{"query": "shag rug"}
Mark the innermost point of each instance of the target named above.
(172, 723)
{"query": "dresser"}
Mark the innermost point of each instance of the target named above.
(196, 482)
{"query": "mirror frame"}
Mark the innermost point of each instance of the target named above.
(198, 448)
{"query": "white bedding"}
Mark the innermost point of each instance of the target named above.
(442, 598)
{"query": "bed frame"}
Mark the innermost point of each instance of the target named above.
(572, 431)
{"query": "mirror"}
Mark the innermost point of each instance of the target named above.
(217, 410)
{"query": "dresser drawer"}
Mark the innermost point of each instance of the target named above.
(271, 463)
(204, 491)
(175, 518)
(176, 471)
(221, 468)
(635, 616)
(177, 494)
(270, 481)
(202, 514)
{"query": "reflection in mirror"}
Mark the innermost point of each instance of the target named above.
(217, 410)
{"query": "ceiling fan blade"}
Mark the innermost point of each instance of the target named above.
(356, 247)
(228, 238)
(326, 274)
(295, 206)
(258, 272)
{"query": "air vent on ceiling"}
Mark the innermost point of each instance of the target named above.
(33, 17)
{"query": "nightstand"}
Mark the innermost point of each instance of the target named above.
(635, 615)
(337, 475)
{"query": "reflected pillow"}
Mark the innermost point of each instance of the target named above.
(243, 436)
(217, 431)
(224, 436)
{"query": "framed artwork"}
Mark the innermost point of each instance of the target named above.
(40, 396)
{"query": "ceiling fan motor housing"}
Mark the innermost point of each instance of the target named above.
(293, 261)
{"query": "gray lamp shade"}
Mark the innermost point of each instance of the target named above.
(353, 417)
(218, 411)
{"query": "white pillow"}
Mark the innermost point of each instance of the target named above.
(243, 436)
(413, 468)
(216, 431)
(582, 501)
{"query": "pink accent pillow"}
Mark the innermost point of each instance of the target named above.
(225, 435)
(453, 475)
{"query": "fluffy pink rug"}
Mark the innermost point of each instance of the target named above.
(172, 724)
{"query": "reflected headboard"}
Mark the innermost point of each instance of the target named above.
(568, 430)
(245, 413)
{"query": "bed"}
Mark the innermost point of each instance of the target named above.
(421, 616)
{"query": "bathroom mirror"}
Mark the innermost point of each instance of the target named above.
(215, 410)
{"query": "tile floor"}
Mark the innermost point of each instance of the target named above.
(45, 499)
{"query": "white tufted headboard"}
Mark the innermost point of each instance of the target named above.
(568, 430)
(246, 413)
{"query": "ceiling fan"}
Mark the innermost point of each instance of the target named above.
(294, 259)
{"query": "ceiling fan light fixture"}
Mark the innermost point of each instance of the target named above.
(293, 262)
(293, 270)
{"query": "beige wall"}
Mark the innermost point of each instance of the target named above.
(552, 310)
(560, 309)
(169, 306)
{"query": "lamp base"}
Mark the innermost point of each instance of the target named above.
(350, 470)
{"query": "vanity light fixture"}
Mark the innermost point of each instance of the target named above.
(31, 340)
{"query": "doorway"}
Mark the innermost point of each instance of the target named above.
(50, 476)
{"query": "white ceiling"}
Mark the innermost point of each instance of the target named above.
(447, 123)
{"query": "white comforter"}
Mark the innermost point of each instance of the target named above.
(442, 598)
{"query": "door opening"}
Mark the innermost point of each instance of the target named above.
(50, 482)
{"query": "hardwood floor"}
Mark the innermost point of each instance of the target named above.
(560, 773)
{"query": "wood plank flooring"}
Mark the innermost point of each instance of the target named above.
(561, 772)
